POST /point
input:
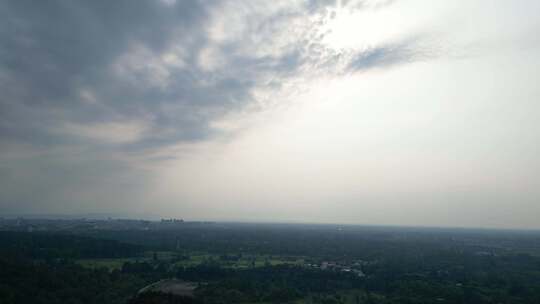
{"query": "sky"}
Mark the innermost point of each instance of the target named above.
(376, 112)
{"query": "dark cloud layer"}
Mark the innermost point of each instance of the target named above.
(91, 62)
(83, 82)
(53, 51)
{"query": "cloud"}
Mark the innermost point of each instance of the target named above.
(108, 132)
(84, 63)
(392, 54)
(179, 66)
(97, 97)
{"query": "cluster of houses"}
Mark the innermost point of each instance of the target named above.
(354, 268)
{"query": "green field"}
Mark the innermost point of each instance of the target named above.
(108, 263)
(245, 261)
(194, 259)
(116, 263)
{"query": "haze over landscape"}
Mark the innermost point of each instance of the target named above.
(362, 112)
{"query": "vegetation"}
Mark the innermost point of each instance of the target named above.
(272, 264)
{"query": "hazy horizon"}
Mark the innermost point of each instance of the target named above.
(157, 218)
(369, 112)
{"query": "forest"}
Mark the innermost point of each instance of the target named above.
(269, 263)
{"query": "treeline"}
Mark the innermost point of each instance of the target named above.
(39, 268)
(38, 245)
(324, 241)
(438, 278)
(38, 282)
(275, 284)
(398, 268)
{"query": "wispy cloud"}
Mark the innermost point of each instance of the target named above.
(392, 54)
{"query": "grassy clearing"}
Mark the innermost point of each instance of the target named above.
(108, 263)
(245, 261)
(194, 259)
(116, 263)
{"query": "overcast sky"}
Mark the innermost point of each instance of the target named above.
(406, 112)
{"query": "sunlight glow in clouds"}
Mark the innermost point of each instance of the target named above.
(373, 25)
